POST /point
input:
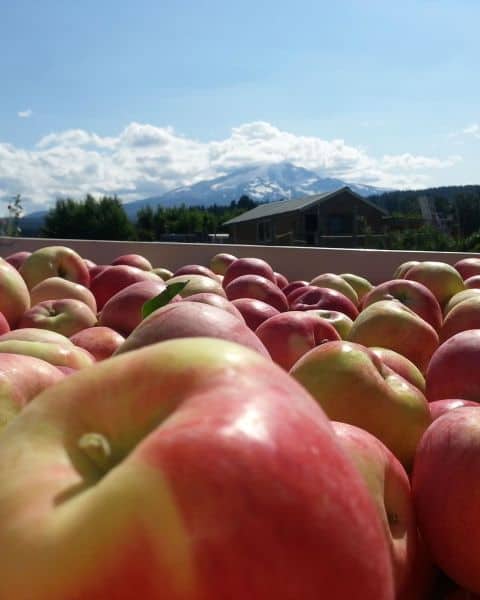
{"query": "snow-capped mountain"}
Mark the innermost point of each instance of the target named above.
(264, 183)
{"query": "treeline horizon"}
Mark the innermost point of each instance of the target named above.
(458, 208)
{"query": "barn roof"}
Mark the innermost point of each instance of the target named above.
(278, 207)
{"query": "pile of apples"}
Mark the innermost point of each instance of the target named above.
(222, 433)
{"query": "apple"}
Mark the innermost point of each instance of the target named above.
(445, 486)
(4, 326)
(421, 583)
(114, 278)
(34, 334)
(335, 282)
(390, 324)
(56, 288)
(59, 355)
(352, 385)
(258, 288)
(191, 319)
(389, 486)
(22, 378)
(54, 261)
(453, 369)
(289, 335)
(440, 407)
(196, 270)
(163, 273)
(294, 285)
(220, 262)
(298, 291)
(100, 341)
(322, 298)
(191, 469)
(18, 258)
(96, 270)
(66, 316)
(465, 315)
(248, 266)
(14, 294)
(403, 268)
(123, 311)
(410, 293)
(133, 260)
(339, 320)
(89, 263)
(218, 301)
(468, 267)
(254, 311)
(472, 282)
(440, 278)
(401, 365)
(360, 284)
(197, 284)
(280, 280)
(460, 297)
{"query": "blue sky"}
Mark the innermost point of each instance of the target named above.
(138, 97)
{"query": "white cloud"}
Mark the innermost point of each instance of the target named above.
(471, 130)
(25, 114)
(146, 160)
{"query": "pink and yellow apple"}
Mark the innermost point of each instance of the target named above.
(352, 385)
(66, 316)
(101, 342)
(248, 266)
(56, 288)
(192, 469)
(258, 288)
(14, 294)
(133, 260)
(54, 261)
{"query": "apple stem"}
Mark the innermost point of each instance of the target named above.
(97, 447)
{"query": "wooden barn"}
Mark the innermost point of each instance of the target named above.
(308, 220)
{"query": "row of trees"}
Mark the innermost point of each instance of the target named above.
(106, 219)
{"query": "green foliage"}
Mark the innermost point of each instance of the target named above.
(103, 219)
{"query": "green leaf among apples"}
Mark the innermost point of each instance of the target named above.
(163, 298)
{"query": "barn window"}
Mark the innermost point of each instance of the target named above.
(264, 231)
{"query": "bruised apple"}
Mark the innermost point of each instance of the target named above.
(192, 469)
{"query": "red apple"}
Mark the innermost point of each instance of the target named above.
(468, 267)
(196, 270)
(289, 335)
(14, 294)
(326, 298)
(472, 282)
(220, 262)
(453, 369)
(463, 316)
(218, 301)
(339, 320)
(294, 285)
(248, 266)
(410, 293)
(54, 261)
(389, 487)
(4, 326)
(100, 341)
(114, 278)
(390, 324)
(123, 311)
(258, 288)
(18, 258)
(440, 278)
(280, 280)
(56, 288)
(335, 282)
(352, 385)
(191, 319)
(66, 316)
(254, 311)
(89, 263)
(460, 297)
(440, 407)
(446, 490)
(192, 469)
(133, 260)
